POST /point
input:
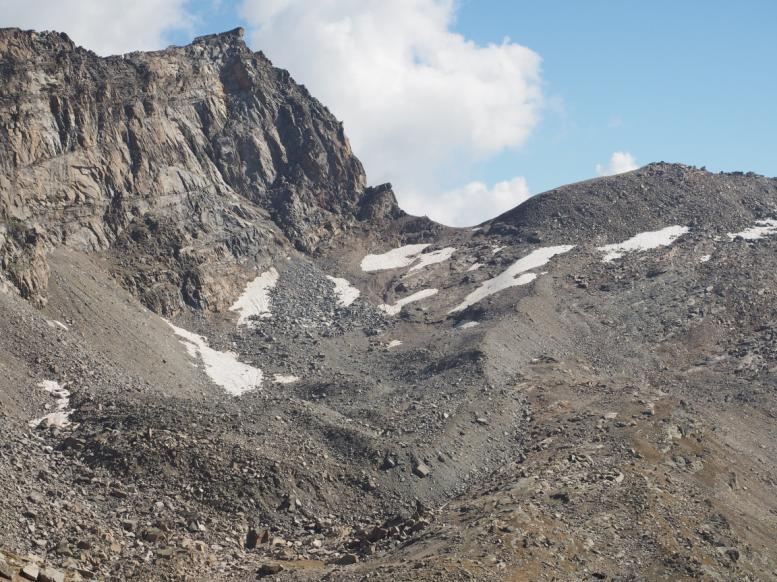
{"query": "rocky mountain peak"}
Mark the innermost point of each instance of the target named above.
(91, 148)
(230, 37)
(224, 356)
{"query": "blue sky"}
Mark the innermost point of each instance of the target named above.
(467, 124)
(691, 82)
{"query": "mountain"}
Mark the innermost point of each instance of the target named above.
(224, 356)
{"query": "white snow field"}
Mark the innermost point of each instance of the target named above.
(60, 418)
(426, 259)
(223, 368)
(346, 293)
(393, 259)
(255, 300)
(514, 276)
(643, 241)
(762, 228)
(397, 307)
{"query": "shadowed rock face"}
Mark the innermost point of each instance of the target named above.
(209, 142)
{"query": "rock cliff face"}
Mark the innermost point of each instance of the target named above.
(207, 151)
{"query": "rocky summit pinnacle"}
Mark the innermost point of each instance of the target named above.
(230, 36)
(225, 356)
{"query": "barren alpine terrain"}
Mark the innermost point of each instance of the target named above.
(225, 356)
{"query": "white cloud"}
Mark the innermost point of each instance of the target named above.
(104, 26)
(417, 99)
(471, 204)
(619, 162)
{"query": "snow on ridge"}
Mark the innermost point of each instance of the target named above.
(346, 293)
(60, 418)
(763, 228)
(285, 379)
(397, 307)
(255, 300)
(53, 323)
(513, 276)
(643, 241)
(393, 259)
(426, 259)
(406, 256)
(223, 368)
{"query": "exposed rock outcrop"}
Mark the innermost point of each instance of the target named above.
(207, 145)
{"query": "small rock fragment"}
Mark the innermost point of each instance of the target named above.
(30, 572)
(269, 569)
(421, 470)
(51, 575)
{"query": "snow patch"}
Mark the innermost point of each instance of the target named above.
(394, 344)
(762, 229)
(514, 276)
(705, 259)
(474, 267)
(54, 324)
(397, 307)
(495, 250)
(642, 242)
(393, 259)
(223, 368)
(285, 379)
(467, 324)
(255, 300)
(433, 258)
(60, 418)
(346, 293)
(475, 229)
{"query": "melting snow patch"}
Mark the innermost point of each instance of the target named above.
(762, 229)
(642, 242)
(346, 293)
(514, 276)
(433, 258)
(223, 368)
(397, 307)
(255, 300)
(394, 344)
(467, 324)
(60, 418)
(474, 267)
(705, 259)
(393, 259)
(285, 379)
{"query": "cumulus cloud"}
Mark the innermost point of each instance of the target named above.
(417, 99)
(619, 162)
(106, 27)
(471, 204)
